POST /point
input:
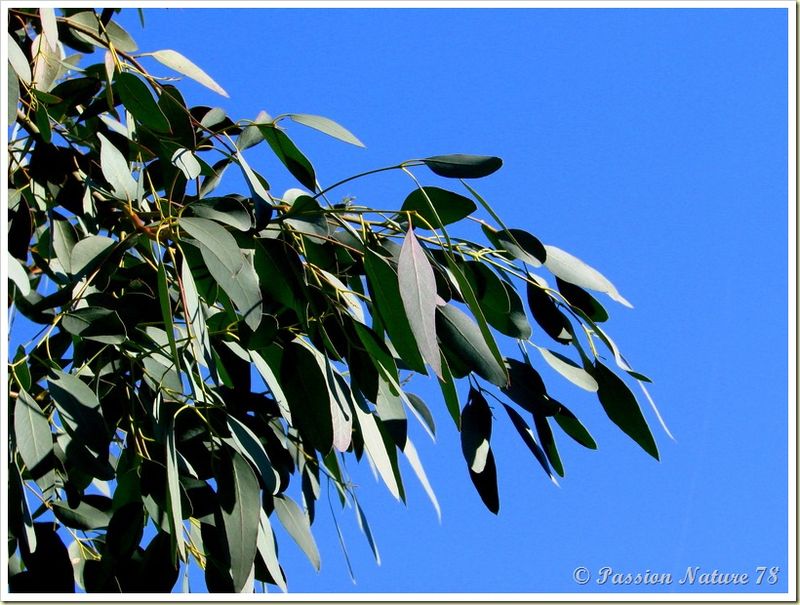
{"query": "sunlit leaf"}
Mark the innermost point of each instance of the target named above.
(289, 155)
(418, 293)
(175, 60)
(297, 526)
(327, 126)
(136, 97)
(573, 270)
(32, 435)
(569, 369)
(116, 171)
(464, 338)
(573, 427)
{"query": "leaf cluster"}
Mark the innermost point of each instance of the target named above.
(196, 353)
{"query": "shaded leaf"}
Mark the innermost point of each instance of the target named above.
(463, 166)
(418, 293)
(422, 413)
(228, 266)
(93, 512)
(519, 244)
(228, 210)
(548, 442)
(377, 450)
(365, 529)
(79, 410)
(526, 388)
(296, 524)
(620, 404)
(19, 63)
(528, 439)
(547, 315)
(437, 207)
(250, 447)
(95, 323)
(175, 514)
(580, 298)
(305, 387)
(573, 427)
(32, 435)
(463, 337)
(240, 502)
(136, 97)
(291, 157)
(327, 126)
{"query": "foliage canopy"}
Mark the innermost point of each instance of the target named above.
(198, 352)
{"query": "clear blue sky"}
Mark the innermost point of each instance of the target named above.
(652, 143)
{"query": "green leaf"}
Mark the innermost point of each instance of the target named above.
(306, 390)
(518, 243)
(186, 162)
(79, 410)
(363, 525)
(448, 206)
(450, 394)
(136, 97)
(116, 171)
(573, 270)
(13, 97)
(175, 514)
(49, 26)
(89, 253)
(476, 431)
(95, 323)
(125, 530)
(461, 166)
(580, 298)
(526, 388)
(297, 526)
(528, 439)
(422, 413)
(175, 60)
(250, 447)
(43, 123)
(265, 543)
(32, 434)
(418, 294)
(18, 275)
(376, 449)
(463, 337)
(240, 501)
(327, 126)
(548, 442)
(19, 63)
(226, 210)
(258, 189)
(92, 512)
(569, 370)
(500, 303)
(228, 266)
(416, 465)
(547, 315)
(385, 289)
(291, 157)
(620, 404)
(112, 31)
(573, 427)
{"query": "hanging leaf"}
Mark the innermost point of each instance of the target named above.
(437, 207)
(32, 435)
(463, 337)
(18, 275)
(573, 270)
(526, 388)
(499, 301)
(252, 449)
(365, 529)
(423, 414)
(228, 210)
(174, 514)
(19, 63)
(528, 439)
(327, 126)
(116, 171)
(376, 449)
(620, 404)
(95, 323)
(547, 315)
(462, 166)
(136, 97)
(93, 512)
(296, 524)
(418, 293)
(175, 60)
(573, 427)
(231, 269)
(416, 464)
(548, 442)
(306, 390)
(518, 243)
(291, 157)
(240, 502)
(49, 26)
(384, 287)
(79, 410)
(580, 298)
(450, 394)
(267, 550)
(569, 370)
(476, 431)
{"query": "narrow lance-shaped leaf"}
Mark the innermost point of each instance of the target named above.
(573, 270)
(416, 464)
(463, 337)
(620, 404)
(175, 515)
(265, 543)
(296, 524)
(418, 293)
(240, 502)
(476, 431)
(136, 97)
(327, 126)
(250, 447)
(18, 61)
(175, 60)
(569, 370)
(573, 427)
(528, 439)
(289, 155)
(376, 449)
(116, 171)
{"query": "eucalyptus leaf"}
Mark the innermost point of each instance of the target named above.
(437, 207)
(297, 526)
(327, 126)
(32, 435)
(573, 270)
(175, 60)
(463, 166)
